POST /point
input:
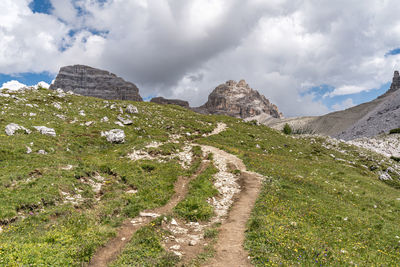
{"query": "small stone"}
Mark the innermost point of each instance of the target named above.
(82, 113)
(192, 243)
(42, 152)
(124, 120)
(28, 150)
(89, 123)
(175, 247)
(131, 191)
(57, 105)
(123, 239)
(173, 222)
(45, 130)
(151, 215)
(104, 119)
(131, 109)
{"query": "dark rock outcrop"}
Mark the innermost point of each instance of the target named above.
(396, 82)
(88, 81)
(238, 100)
(164, 101)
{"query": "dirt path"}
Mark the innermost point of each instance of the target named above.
(232, 208)
(114, 247)
(229, 248)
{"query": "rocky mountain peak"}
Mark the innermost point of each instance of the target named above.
(395, 83)
(238, 99)
(88, 81)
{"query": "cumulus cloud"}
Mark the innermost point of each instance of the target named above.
(12, 85)
(345, 104)
(185, 48)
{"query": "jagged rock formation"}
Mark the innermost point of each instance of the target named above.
(164, 101)
(395, 84)
(88, 81)
(238, 100)
(364, 120)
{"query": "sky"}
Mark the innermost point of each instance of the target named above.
(309, 57)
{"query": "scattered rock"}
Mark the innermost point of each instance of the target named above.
(124, 120)
(175, 247)
(104, 119)
(131, 109)
(192, 243)
(384, 176)
(13, 127)
(28, 150)
(45, 130)
(116, 136)
(151, 215)
(42, 152)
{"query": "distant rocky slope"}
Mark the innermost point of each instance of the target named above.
(365, 120)
(88, 81)
(238, 100)
(164, 101)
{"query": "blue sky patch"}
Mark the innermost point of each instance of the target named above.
(358, 98)
(27, 78)
(41, 6)
(393, 52)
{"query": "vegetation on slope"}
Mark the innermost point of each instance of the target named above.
(321, 203)
(49, 213)
(318, 206)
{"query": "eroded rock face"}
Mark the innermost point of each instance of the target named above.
(396, 82)
(88, 81)
(238, 100)
(164, 101)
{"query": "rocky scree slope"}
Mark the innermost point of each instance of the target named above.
(74, 168)
(88, 81)
(364, 120)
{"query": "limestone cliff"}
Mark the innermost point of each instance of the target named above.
(238, 100)
(88, 81)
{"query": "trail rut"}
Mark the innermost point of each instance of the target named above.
(229, 247)
(114, 247)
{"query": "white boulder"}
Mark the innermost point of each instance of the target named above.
(116, 136)
(45, 130)
(13, 127)
(131, 109)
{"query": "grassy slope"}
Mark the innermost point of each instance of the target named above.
(314, 209)
(31, 185)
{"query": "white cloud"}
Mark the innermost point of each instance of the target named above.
(12, 85)
(348, 103)
(346, 90)
(281, 47)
